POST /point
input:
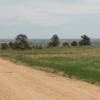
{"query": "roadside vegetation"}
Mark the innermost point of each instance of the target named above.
(78, 60)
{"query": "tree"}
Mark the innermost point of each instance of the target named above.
(85, 40)
(54, 41)
(74, 43)
(21, 37)
(21, 42)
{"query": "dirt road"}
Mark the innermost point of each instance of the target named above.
(22, 83)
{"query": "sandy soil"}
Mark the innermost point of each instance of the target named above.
(22, 83)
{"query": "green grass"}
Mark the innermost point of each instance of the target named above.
(78, 62)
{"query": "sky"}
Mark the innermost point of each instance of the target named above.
(43, 18)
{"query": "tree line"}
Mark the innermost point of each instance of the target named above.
(22, 42)
(55, 41)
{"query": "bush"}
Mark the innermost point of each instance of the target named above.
(65, 44)
(4, 46)
(74, 43)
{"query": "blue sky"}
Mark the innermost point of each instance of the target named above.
(43, 18)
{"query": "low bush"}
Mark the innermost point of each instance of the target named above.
(65, 44)
(74, 43)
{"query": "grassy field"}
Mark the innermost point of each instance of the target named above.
(74, 62)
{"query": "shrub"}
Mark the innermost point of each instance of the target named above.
(4, 46)
(74, 43)
(65, 44)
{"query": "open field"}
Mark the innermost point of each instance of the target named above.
(74, 62)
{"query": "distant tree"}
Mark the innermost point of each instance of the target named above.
(65, 44)
(21, 37)
(74, 43)
(85, 40)
(54, 41)
(21, 42)
(4, 46)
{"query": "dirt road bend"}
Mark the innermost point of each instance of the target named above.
(18, 82)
